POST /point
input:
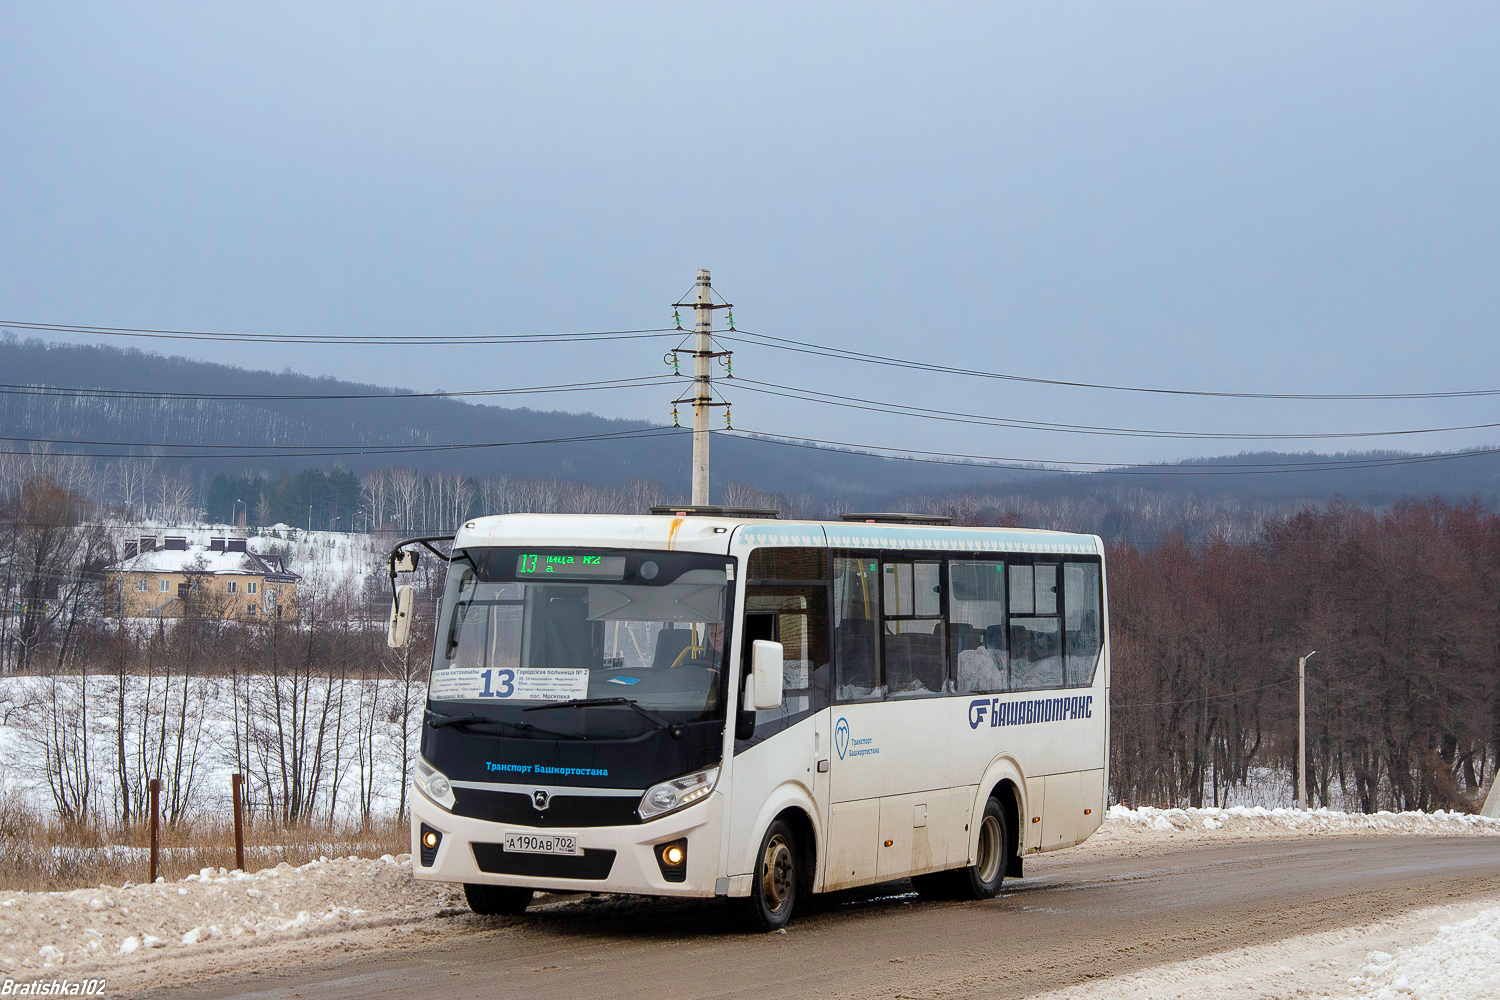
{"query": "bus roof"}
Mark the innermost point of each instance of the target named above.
(717, 534)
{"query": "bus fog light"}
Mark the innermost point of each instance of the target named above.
(671, 858)
(428, 840)
(672, 795)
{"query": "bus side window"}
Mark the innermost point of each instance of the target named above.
(758, 625)
(796, 617)
(1036, 655)
(913, 650)
(976, 627)
(856, 605)
(1084, 637)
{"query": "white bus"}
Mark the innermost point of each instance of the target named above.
(710, 702)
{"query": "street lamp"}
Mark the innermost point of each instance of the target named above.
(334, 524)
(237, 502)
(1302, 728)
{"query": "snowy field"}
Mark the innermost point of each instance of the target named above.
(143, 934)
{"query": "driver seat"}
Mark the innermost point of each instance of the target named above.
(670, 644)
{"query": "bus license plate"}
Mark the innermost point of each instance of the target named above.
(530, 843)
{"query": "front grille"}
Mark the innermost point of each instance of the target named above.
(562, 811)
(496, 860)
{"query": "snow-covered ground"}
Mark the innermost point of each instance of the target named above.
(1436, 953)
(122, 929)
(1259, 822)
(1462, 959)
(331, 562)
(136, 932)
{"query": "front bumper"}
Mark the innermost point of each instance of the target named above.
(634, 869)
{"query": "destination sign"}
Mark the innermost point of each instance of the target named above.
(570, 565)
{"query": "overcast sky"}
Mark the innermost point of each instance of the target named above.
(1242, 197)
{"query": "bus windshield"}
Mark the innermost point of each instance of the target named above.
(531, 628)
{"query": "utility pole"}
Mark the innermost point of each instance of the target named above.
(1302, 728)
(702, 395)
(702, 379)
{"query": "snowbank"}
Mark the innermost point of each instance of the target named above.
(1257, 821)
(43, 934)
(1462, 961)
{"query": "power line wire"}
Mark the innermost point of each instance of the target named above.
(376, 340)
(1001, 463)
(22, 389)
(635, 434)
(958, 416)
(1104, 468)
(740, 335)
(752, 385)
(1208, 697)
(807, 347)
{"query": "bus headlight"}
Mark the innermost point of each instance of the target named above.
(672, 795)
(434, 783)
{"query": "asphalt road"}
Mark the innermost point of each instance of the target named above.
(1073, 919)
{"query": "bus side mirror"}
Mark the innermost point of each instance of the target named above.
(764, 689)
(405, 561)
(400, 624)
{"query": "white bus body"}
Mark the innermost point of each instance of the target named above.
(959, 666)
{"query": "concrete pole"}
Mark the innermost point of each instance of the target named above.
(702, 376)
(1491, 806)
(1302, 728)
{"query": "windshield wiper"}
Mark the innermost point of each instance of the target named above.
(676, 730)
(437, 720)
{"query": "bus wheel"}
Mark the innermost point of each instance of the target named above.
(776, 880)
(497, 900)
(982, 879)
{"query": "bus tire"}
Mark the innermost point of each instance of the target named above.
(777, 880)
(983, 878)
(497, 900)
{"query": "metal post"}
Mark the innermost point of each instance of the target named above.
(155, 827)
(1302, 728)
(235, 781)
(702, 376)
